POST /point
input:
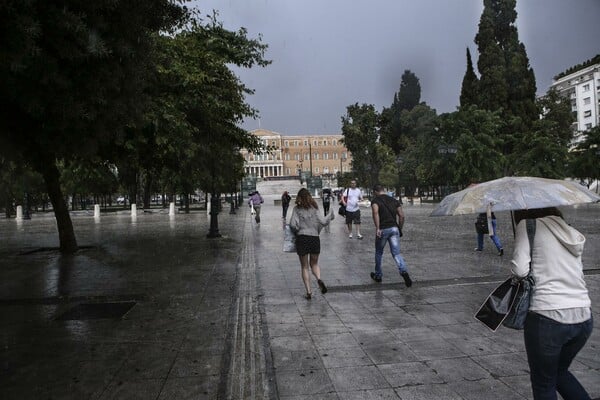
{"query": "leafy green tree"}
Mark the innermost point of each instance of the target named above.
(585, 157)
(546, 152)
(360, 128)
(73, 74)
(475, 133)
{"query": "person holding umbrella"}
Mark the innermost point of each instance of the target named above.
(559, 321)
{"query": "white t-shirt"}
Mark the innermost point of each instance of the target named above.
(353, 196)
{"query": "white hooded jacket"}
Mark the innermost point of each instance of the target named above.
(556, 267)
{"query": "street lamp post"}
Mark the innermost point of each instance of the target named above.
(342, 160)
(447, 150)
(310, 158)
(399, 161)
(299, 167)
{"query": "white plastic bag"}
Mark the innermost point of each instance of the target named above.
(252, 210)
(289, 239)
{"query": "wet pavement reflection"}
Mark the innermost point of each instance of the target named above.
(226, 317)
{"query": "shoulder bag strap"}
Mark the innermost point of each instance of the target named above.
(390, 211)
(531, 224)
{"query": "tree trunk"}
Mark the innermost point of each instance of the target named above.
(66, 234)
(147, 191)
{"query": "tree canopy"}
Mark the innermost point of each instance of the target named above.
(140, 85)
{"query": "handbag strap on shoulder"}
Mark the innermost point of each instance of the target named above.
(531, 224)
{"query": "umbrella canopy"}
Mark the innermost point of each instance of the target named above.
(514, 193)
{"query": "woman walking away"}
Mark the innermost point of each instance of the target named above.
(285, 203)
(559, 321)
(307, 222)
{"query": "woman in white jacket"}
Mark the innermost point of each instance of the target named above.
(559, 321)
(307, 222)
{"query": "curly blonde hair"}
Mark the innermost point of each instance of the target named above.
(305, 200)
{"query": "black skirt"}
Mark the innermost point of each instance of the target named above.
(308, 245)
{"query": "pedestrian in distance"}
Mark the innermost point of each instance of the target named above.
(481, 227)
(350, 199)
(388, 218)
(255, 201)
(306, 222)
(285, 203)
(326, 197)
(559, 321)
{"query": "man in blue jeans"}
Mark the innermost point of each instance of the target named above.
(389, 219)
(481, 226)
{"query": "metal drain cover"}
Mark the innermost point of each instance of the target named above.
(83, 311)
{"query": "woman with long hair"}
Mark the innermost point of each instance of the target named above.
(307, 222)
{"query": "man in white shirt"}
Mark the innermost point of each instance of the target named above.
(350, 199)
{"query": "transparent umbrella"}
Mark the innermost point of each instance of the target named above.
(514, 193)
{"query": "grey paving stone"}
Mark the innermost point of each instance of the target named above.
(428, 392)
(344, 357)
(489, 389)
(284, 360)
(434, 349)
(389, 353)
(409, 374)
(348, 379)
(502, 365)
(377, 394)
(458, 369)
(303, 382)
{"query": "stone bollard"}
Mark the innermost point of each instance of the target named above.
(96, 210)
(172, 208)
(19, 212)
(134, 210)
(208, 205)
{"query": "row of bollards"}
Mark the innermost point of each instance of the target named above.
(20, 216)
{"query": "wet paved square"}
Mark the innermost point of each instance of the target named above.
(226, 318)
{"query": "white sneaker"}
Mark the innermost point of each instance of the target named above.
(350, 236)
(359, 237)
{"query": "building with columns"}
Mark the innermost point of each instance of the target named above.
(316, 155)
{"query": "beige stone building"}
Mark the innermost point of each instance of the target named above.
(319, 155)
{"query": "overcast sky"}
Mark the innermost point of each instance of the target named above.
(328, 54)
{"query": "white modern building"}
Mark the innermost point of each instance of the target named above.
(582, 87)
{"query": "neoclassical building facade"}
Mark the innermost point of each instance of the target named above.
(317, 155)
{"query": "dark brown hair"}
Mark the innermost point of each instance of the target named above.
(305, 200)
(536, 213)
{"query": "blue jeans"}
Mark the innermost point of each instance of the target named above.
(551, 347)
(391, 236)
(493, 237)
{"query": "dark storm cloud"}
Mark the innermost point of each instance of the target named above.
(328, 54)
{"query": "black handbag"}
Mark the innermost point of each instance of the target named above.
(342, 210)
(508, 304)
(497, 305)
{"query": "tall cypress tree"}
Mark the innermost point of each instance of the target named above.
(469, 89)
(507, 81)
(407, 98)
(409, 94)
